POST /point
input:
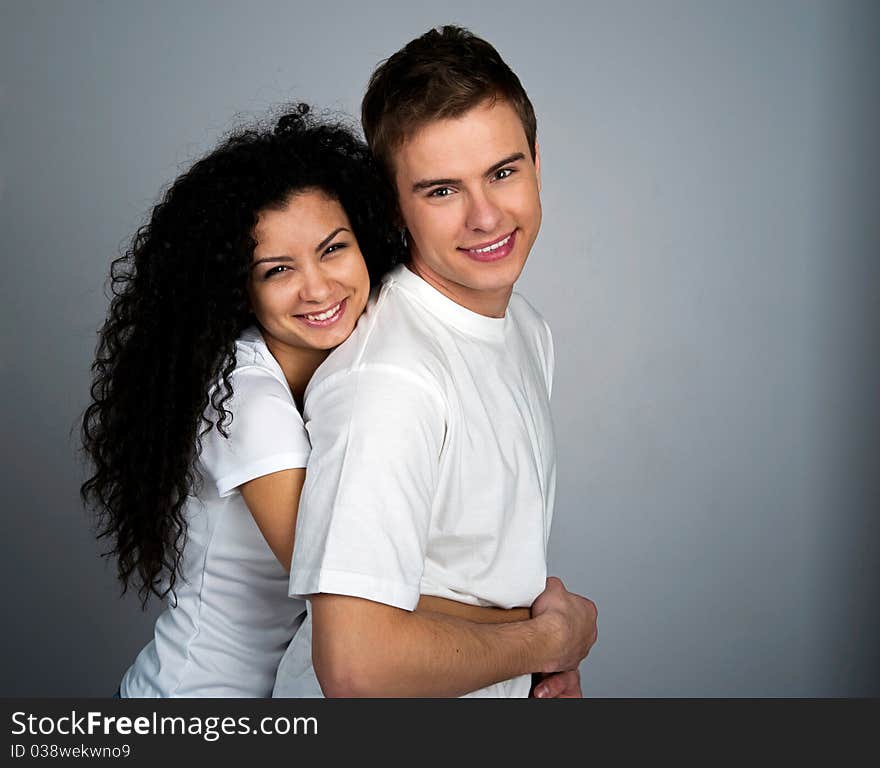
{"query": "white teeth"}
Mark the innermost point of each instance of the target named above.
(324, 315)
(492, 247)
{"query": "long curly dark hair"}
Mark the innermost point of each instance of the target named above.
(179, 302)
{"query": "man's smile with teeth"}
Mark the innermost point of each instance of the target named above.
(492, 247)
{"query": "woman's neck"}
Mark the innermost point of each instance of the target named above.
(298, 365)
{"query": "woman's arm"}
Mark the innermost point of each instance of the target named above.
(273, 500)
(475, 613)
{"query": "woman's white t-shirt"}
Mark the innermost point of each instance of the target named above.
(233, 619)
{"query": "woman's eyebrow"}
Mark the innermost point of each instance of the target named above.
(286, 258)
(271, 260)
(329, 237)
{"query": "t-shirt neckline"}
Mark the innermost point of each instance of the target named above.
(461, 318)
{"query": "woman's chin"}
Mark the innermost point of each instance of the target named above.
(329, 339)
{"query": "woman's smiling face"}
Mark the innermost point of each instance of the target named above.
(309, 283)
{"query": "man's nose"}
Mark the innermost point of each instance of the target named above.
(482, 213)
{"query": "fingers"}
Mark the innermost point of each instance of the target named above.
(572, 688)
(550, 687)
(594, 611)
(554, 582)
(568, 623)
(553, 595)
(574, 691)
(560, 685)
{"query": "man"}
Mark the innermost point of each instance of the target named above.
(433, 463)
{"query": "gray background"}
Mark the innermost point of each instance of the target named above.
(708, 262)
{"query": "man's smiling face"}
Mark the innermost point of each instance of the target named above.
(469, 195)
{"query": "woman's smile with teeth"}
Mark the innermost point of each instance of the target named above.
(330, 314)
(324, 315)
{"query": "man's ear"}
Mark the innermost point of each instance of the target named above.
(538, 164)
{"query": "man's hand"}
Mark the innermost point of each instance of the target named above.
(559, 685)
(570, 621)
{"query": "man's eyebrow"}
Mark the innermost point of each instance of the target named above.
(506, 161)
(428, 183)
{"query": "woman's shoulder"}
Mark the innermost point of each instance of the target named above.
(262, 424)
(256, 374)
(251, 350)
(253, 358)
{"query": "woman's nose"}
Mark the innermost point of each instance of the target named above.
(315, 286)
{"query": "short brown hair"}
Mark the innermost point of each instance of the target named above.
(440, 75)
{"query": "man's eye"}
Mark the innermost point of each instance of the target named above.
(503, 173)
(440, 192)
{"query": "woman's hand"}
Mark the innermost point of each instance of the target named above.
(558, 685)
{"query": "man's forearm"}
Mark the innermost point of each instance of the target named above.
(362, 648)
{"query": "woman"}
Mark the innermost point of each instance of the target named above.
(256, 263)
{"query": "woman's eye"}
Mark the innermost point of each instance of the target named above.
(275, 271)
(334, 248)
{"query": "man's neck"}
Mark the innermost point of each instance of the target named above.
(487, 303)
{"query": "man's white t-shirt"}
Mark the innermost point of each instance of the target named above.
(433, 465)
(233, 618)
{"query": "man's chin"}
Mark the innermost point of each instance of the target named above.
(496, 281)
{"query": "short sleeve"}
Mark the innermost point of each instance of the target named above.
(549, 358)
(366, 506)
(266, 434)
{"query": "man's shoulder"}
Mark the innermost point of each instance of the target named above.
(391, 334)
(534, 334)
(530, 323)
(524, 312)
